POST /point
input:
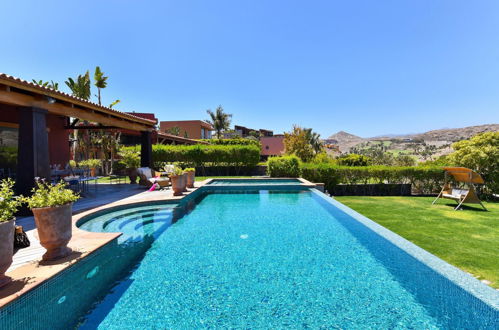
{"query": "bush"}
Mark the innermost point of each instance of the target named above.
(234, 141)
(481, 154)
(90, 163)
(424, 180)
(8, 202)
(201, 155)
(286, 166)
(354, 160)
(47, 195)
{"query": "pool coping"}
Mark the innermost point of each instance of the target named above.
(465, 281)
(84, 243)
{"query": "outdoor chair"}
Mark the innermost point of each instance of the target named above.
(148, 177)
(461, 195)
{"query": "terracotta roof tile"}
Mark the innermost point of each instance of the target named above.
(55, 94)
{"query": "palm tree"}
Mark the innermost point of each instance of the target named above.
(51, 84)
(81, 87)
(100, 81)
(219, 120)
(314, 139)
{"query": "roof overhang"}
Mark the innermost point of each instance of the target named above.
(21, 93)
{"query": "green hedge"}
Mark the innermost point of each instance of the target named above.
(424, 180)
(235, 141)
(201, 155)
(284, 167)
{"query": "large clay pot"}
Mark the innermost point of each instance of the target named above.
(177, 184)
(7, 229)
(184, 182)
(54, 230)
(190, 179)
(132, 175)
(92, 172)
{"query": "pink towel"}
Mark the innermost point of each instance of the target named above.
(153, 187)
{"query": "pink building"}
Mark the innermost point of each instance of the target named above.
(272, 146)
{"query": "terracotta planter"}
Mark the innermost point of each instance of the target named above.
(6, 249)
(54, 230)
(177, 184)
(184, 182)
(132, 174)
(190, 179)
(92, 172)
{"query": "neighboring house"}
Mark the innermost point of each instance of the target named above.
(192, 129)
(242, 131)
(272, 146)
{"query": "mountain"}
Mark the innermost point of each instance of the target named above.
(344, 140)
(441, 138)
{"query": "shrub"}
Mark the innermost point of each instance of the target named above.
(286, 166)
(90, 163)
(130, 157)
(201, 155)
(481, 154)
(8, 202)
(354, 160)
(47, 195)
(424, 180)
(234, 141)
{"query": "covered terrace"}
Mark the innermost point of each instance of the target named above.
(38, 121)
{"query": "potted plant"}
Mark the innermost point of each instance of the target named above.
(131, 160)
(177, 181)
(92, 164)
(52, 208)
(190, 176)
(8, 207)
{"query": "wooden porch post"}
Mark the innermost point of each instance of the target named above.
(146, 149)
(33, 149)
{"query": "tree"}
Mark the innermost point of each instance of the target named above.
(81, 86)
(405, 160)
(219, 120)
(481, 154)
(51, 84)
(175, 130)
(297, 142)
(354, 160)
(100, 81)
(314, 139)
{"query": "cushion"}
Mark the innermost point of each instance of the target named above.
(145, 171)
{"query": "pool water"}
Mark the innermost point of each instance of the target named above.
(251, 182)
(266, 260)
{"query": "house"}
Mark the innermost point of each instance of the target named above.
(243, 132)
(192, 129)
(272, 146)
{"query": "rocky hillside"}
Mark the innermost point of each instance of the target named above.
(441, 139)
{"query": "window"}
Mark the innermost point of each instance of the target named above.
(8, 150)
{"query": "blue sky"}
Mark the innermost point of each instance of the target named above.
(366, 67)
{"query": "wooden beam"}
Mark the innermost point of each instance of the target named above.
(58, 108)
(66, 98)
(90, 127)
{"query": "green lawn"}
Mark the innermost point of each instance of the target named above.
(105, 179)
(468, 238)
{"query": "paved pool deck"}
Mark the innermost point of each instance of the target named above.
(29, 271)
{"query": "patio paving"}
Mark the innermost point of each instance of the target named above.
(98, 195)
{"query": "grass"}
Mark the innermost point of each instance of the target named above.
(468, 238)
(105, 179)
(202, 178)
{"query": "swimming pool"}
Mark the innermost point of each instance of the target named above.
(251, 258)
(252, 182)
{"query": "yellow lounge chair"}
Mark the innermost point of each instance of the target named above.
(461, 196)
